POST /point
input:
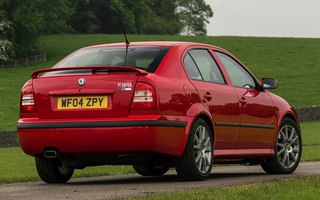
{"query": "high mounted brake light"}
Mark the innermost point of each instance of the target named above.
(27, 100)
(144, 97)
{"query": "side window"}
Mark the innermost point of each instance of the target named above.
(191, 68)
(202, 61)
(239, 76)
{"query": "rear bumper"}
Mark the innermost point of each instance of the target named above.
(158, 134)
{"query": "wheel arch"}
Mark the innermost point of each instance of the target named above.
(190, 166)
(207, 119)
(289, 115)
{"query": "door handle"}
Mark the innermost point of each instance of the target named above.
(243, 101)
(207, 96)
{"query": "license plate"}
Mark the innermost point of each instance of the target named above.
(82, 102)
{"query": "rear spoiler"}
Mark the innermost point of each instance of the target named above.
(36, 74)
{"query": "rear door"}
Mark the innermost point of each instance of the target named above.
(219, 98)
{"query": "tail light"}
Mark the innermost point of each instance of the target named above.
(144, 97)
(27, 100)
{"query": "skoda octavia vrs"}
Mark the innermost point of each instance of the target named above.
(155, 105)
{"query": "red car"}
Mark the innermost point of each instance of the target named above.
(155, 105)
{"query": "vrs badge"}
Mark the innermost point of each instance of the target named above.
(124, 86)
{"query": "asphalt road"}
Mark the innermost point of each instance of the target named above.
(121, 186)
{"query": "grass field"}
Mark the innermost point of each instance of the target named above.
(293, 62)
(19, 167)
(285, 189)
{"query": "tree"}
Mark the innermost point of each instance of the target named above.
(134, 14)
(56, 16)
(194, 15)
(163, 18)
(27, 22)
(6, 31)
(84, 19)
(26, 19)
(141, 16)
(22, 21)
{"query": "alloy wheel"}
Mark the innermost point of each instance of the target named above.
(202, 149)
(288, 147)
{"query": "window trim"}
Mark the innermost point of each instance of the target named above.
(194, 62)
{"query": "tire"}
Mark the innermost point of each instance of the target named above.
(150, 170)
(195, 164)
(53, 171)
(288, 149)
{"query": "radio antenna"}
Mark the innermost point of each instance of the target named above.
(127, 44)
(123, 28)
(125, 36)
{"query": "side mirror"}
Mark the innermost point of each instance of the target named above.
(269, 83)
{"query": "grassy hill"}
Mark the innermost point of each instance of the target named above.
(295, 63)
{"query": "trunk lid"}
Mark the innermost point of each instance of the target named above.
(84, 95)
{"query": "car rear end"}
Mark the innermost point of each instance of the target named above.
(100, 106)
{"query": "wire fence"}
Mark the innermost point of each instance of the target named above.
(25, 61)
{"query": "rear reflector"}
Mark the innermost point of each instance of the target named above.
(144, 97)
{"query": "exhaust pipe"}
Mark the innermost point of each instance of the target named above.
(50, 154)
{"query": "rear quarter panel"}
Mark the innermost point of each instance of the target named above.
(176, 95)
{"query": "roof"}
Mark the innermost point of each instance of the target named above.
(158, 43)
(155, 43)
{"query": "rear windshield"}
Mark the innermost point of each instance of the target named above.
(143, 57)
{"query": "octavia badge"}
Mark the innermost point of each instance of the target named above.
(81, 82)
